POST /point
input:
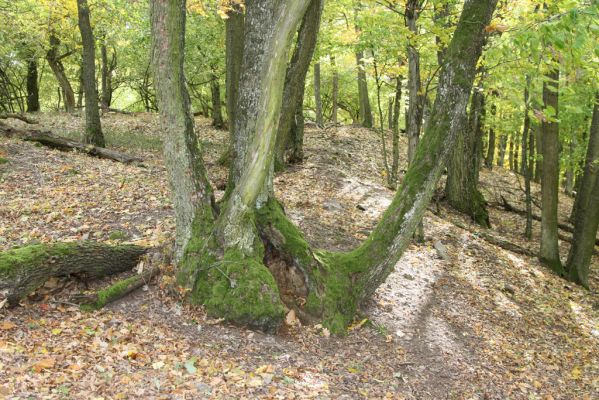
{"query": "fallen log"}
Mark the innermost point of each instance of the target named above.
(25, 269)
(50, 140)
(116, 291)
(20, 117)
(568, 228)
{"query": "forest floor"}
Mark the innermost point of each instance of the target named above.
(459, 318)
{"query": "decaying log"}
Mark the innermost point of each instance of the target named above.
(115, 291)
(47, 138)
(25, 269)
(20, 117)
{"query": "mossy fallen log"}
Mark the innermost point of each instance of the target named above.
(25, 269)
(117, 290)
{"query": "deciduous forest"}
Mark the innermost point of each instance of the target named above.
(299, 199)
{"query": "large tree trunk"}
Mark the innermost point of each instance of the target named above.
(33, 95)
(549, 251)
(291, 121)
(25, 269)
(526, 164)
(55, 62)
(317, 97)
(586, 217)
(415, 94)
(245, 263)
(461, 189)
(93, 128)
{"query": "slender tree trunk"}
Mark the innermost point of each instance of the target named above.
(586, 218)
(291, 134)
(461, 189)
(390, 114)
(317, 98)
(511, 154)
(33, 102)
(234, 26)
(80, 89)
(526, 135)
(569, 181)
(490, 149)
(502, 150)
(395, 129)
(379, 83)
(54, 60)
(549, 252)
(416, 97)
(107, 68)
(93, 128)
(532, 151)
(539, 155)
(335, 90)
(217, 115)
(364, 99)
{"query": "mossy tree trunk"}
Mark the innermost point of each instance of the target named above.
(461, 189)
(93, 128)
(586, 216)
(247, 262)
(549, 251)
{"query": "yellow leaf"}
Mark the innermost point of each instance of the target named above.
(56, 331)
(7, 325)
(268, 369)
(575, 373)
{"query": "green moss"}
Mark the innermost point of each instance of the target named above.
(3, 160)
(241, 290)
(112, 292)
(26, 257)
(118, 235)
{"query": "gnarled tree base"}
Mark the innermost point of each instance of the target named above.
(25, 269)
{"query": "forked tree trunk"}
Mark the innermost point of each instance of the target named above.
(55, 62)
(461, 189)
(107, 69)
(586, 217)
(93, 128)
(549, 251)
(291, 121)
(33, 95)
(248, 261)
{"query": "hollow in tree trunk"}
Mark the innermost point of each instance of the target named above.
(93, 128)
(247, 262)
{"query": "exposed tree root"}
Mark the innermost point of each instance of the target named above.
(20, 117)
(25, 269)
(49, 139)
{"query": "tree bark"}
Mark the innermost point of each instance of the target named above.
(54, 60)
(290, 135)
(25, 269)
(549, 250)
(525, 171)
(416, 96)
(93, 128)
(217, 115)
(461, 189)
(234, 26)
(107, 69)
(395, 129)
(335, 91)
(502, 149)
(489, 158)
(317, 97)
(33, 102)
(586, 217)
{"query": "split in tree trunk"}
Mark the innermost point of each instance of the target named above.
(25, 269)
(249, 261)
(54, 60)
